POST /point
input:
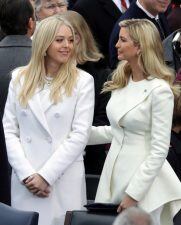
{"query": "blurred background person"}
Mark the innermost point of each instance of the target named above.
(5, 195)
(174, 154)
(89, 59)
(101, 15)
(133, 216)
(172, 51)
(46, 8)
(174, 17)
(17, 21)
(47, 120)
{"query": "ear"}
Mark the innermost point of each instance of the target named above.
(138, 50)
(77, 38)
(31, 26)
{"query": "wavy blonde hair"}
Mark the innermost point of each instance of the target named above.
(86, 48)
(151, 58)
(33, 74)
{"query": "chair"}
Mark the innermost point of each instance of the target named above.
(88, 218)
(91, 185)
(11, 216)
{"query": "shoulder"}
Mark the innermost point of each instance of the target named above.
(156, 83)
(84, 77)
(15, 73)
(160, 89)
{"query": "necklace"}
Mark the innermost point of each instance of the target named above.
(48, 80)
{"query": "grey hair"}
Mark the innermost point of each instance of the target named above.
(38, 4)
(133, 216)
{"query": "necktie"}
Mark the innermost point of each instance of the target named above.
(123, 5)
(160, 28)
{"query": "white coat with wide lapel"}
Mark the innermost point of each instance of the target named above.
(140, 116)
(49, 141)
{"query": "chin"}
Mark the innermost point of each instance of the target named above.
(120, 58)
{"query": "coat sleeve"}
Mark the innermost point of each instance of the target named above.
(73, 146)
(16, 156)
(100, 135)
(161, 110)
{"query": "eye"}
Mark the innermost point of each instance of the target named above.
(123, 39)
(59, 40)
(71, 40)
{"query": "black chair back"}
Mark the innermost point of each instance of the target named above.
(88, 218)
(11, 216)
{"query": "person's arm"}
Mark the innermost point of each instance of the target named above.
(73, 146)
(100, 135)
(161, 117)
(16, 156)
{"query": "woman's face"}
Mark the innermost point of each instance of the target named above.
(126, 48)
(61, 48)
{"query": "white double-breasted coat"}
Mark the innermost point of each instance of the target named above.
(50, 141)
(140, 116)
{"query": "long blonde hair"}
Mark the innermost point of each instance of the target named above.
(33, 74)
(151, 58)
(86, 49)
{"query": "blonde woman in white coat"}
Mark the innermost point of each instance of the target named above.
(47, 119)
(140, 113)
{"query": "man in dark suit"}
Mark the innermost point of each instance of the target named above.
(141, 9)
(101, 15)
(17, 22)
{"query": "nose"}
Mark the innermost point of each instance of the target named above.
(57, 9)
(66, 43)
(117, 44)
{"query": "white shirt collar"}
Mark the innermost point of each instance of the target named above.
(144, 10)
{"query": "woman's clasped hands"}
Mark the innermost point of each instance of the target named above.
(37, 185)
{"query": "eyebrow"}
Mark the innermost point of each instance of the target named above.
(60, 36)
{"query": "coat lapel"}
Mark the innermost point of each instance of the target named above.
(131, 100)
(36, 108)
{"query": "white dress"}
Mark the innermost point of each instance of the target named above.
(49, 139)
(140, 116)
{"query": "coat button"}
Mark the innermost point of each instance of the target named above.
(28, 139)
(57, 115)
(49, 139)
(24, 113)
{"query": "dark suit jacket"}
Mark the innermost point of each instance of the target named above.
(15, 51)
(174, 154)
(172, 59)
(133, 12)
(4, 171)
(101, 15)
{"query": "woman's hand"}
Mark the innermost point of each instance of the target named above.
(126, 203)
(37, 185)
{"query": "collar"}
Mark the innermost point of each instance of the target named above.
(144, 10)
(16, 41)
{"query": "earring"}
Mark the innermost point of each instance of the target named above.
(45, 54)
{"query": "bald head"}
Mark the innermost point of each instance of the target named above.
(133, 216)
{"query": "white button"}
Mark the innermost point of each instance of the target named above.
(49, 139)
(24, 113)
(57, 115)
(28, 139)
